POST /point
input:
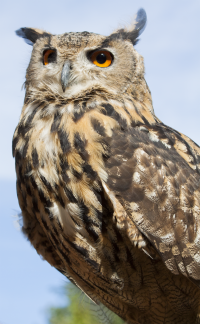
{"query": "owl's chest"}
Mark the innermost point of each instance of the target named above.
(59, 163)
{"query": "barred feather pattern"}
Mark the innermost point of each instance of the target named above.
(110, 197)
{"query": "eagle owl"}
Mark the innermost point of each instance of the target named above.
(110, 196)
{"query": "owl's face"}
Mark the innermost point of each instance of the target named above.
(70, 64)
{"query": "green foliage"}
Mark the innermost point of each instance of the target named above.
(80, 309)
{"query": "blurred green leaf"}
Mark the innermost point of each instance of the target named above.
(80, 309)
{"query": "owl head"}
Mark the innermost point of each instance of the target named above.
(72, 65)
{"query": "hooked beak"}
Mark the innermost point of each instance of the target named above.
(65, 75)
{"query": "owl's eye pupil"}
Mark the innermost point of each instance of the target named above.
(101, 58)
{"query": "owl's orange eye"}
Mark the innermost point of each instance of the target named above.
(49, 56)
(102, 58)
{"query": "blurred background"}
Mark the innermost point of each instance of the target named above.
(171, 49)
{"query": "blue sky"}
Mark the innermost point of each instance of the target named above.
(171, 49)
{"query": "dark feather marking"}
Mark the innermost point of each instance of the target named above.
(92, 233)
(117, 259)
(93, 263)
(165, 134)
(109, 110)
(107, 211)
(28, 169)
(46, 183)
(35, 204)
(123, 123)
(53, 225)
(42, 164)
(51, 239)
(14, 144)
(78, 248)
(159, 144)
(70, 195)
(33, 182)
(74, 220)
(84, 103)
(24, 151)
(105, 143)
(99, 215)
(35, 158)
(30, 117)
(42, 109)
(65, 178)
(98, 195)
(28, 189)
(60, 200)
(50, 249)
(145, 120)
(84, 252)
(56, 241)
(130, 259)
(59, 224)
(64, 167)
(98, 127)
(21, 129)
(91, 174)
(116, 248)
(56, 186)
(102, 289)
(86, 282)
(80, 145)
(51, 216)
(21, 177)
(76, 174)
(64, 164)
(25, 127)
(24, 198)
(189, 149)
(126, 110)
(65, 257)
(85, 211)
(78, 113)
(17, 158)
(64, 141)
(85, 34)
(47, 203)
(45, 223)
(56, 122)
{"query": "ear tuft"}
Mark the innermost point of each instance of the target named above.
(140, 21)
(31, 35)
(134, 30)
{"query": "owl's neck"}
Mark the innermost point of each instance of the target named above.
(135, 100)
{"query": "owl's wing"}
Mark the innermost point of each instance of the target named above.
(153, 175)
